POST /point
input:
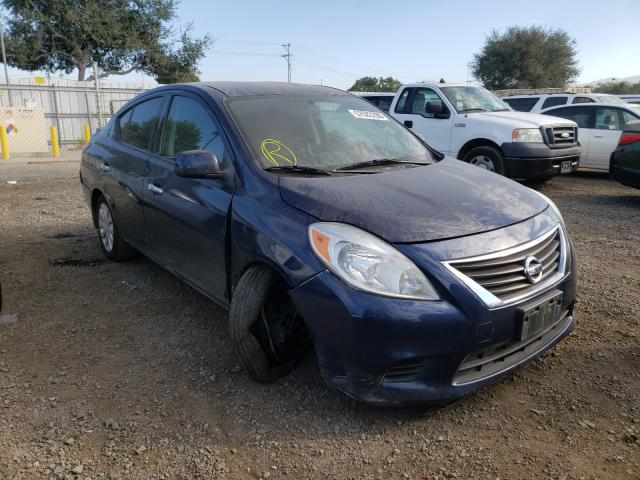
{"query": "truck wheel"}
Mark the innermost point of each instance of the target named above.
(488, 158)
(114, 247)
(265, 326)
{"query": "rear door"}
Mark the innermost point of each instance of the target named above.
(434, 129)
(123, 164)
(605, 135)
(583, 116)
(185, 217)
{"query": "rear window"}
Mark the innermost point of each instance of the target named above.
(522, 104)
(553, 101)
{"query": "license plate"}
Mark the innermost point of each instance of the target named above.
(565, 167)
(535, 319)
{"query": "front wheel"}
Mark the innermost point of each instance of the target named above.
(485, 157)
(265, 325)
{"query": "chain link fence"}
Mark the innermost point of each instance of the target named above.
(45, 123)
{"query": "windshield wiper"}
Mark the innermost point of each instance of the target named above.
(379, 161)
(297, 169)
(465, 110)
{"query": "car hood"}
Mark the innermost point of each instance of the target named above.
(521, 119)
(444, 200)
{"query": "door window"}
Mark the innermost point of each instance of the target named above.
(553, 101)
(189, 126)
(137, 126)
(627, 117)
(419, 102)
(582, 100)
(580, 115)
(607, 118)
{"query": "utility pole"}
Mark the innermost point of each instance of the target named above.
(287, 56)
(4, 61)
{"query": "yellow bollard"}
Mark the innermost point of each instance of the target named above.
(4, 142)
(54, 141)
(87, 134)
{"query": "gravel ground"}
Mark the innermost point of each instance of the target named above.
(121, 371)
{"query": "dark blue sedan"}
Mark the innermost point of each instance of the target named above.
(323, 224)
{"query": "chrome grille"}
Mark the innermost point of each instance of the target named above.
(498, 358)
(500, 278)
(562, 136)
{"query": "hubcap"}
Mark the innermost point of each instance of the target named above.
(105, 227)
(483, 161)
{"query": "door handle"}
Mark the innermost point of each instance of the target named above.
(598, 136)
(105, 167)
(155, 189)
(408, 123)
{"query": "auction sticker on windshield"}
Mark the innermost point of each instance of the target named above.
(368, 115)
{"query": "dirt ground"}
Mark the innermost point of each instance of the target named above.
(121, 371)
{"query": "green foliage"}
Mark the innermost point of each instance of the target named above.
(620, 88)
(526, 57)
(376, 84)
(119, 36)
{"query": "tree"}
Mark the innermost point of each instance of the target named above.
(119, 36)
(620, 88)
(526, 57)
(376, 84)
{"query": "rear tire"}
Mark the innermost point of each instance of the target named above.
(114, 247)
(489, 158)
(265, 327)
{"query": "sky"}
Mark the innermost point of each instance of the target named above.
(334, 42)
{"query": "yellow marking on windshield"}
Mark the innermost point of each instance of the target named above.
(275, 152)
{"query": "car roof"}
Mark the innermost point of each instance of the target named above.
(241, 89)
(601, 105)
(374, 94)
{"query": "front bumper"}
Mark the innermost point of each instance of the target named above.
(400, 352)
(531, 161)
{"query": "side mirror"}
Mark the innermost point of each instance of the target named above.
(435, 107)
(198, 164)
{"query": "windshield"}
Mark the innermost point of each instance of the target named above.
(474, 99)
(321, 131)
(610, 99)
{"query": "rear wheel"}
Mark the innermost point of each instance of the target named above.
(113, 246)
(265, 325)
(485, 157)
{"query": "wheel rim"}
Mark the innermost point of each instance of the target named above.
(483, 161)
(105, 227)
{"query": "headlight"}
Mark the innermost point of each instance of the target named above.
(531, 135)
(368, 263)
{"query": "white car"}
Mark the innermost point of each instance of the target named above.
(472, 124)
(600, 127)
(535, 103)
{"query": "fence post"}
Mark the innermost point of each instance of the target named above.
(96, 81)
(4, 142)
(54, 141)
(56, 110)
(86, 101)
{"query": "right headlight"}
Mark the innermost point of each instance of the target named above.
(368, 263)
(529, 135)
(552, 205)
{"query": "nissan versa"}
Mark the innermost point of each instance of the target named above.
(322, 223)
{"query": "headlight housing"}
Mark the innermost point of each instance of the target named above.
(368, 263)
(529, 135)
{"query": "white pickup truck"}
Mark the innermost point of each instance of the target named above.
(473, 125)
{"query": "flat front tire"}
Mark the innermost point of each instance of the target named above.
(265, 327)
(489, 158)
(114, 247)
